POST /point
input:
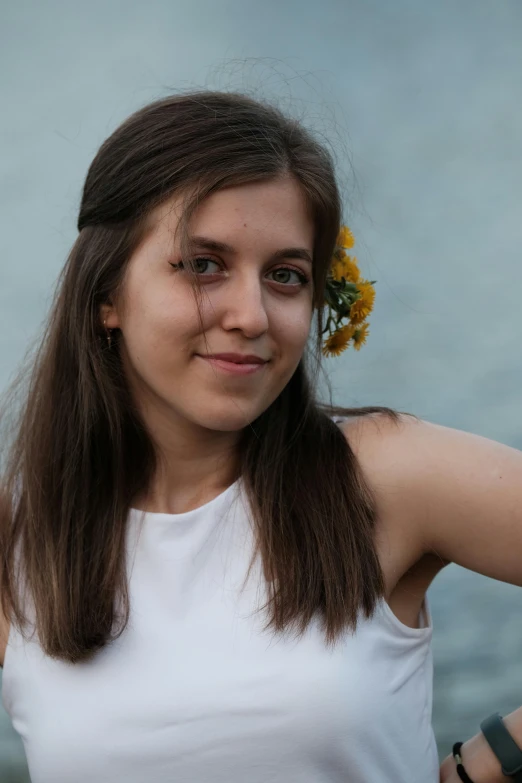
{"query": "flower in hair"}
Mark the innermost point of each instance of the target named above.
(345, 238)
(348, 297)
(339, 340)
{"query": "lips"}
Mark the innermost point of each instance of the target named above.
(235, 364)
(237, 358)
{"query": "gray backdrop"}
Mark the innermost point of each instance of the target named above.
(422, 102)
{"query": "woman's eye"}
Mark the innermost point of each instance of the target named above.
(203, 266)
(284, 275)
(200, 265)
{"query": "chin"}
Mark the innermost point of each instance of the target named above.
(232, 423)
(233, 419)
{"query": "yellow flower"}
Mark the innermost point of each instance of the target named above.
(338, 341)
(360, 335)
(345, 237)
(337, 270)
(347, 268)
(351, 269)
(363, 306)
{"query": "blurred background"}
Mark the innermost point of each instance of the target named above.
(422, 105)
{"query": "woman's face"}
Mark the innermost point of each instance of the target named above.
(256, 288)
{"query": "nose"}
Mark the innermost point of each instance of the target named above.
(244, 307)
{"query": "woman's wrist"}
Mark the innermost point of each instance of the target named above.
(480, 762)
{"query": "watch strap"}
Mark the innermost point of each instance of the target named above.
(503, 746)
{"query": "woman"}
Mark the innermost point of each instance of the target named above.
(226, 580)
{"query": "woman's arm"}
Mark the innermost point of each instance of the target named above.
(460, 497)
(460, 494)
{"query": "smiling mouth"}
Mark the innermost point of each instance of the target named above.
(237, 358)
(234, 367)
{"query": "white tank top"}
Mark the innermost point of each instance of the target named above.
(194, 691)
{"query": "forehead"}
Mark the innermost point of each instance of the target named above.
(268, 209)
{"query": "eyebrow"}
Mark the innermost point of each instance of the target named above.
(222, 247)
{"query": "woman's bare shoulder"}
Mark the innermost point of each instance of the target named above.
(380, 444)
(382, 447)
(364, 430)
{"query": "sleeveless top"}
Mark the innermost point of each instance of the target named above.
(195, 691)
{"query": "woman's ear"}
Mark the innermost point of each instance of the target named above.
(109, 316)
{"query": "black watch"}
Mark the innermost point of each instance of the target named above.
(503, 746)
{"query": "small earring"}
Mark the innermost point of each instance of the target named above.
(109, 335)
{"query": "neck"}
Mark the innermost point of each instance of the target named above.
(194, 464)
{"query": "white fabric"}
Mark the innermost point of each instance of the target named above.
(195, 692)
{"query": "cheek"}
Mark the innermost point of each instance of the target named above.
(292, 326)
(158, 324)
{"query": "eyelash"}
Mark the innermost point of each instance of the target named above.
(303, 279)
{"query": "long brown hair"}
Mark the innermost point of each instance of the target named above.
(81, 452)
